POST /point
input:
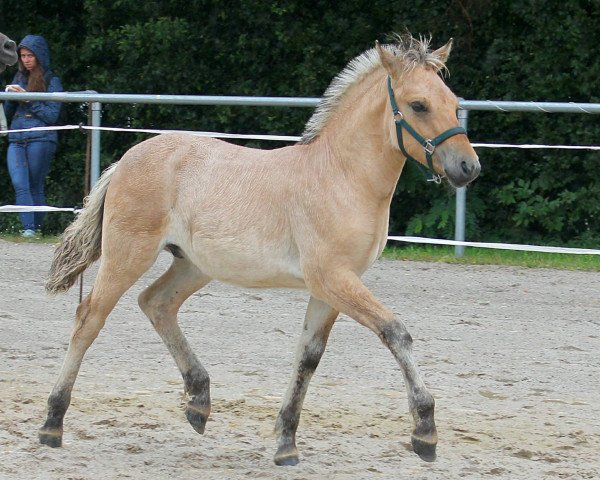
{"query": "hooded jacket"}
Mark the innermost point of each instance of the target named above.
(34, 113)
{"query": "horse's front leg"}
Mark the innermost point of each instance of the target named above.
(317, 324)
(420, 402)
(346, 293)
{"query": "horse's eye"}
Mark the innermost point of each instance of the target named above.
(418, 107)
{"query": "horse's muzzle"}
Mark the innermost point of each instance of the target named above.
(460, 170)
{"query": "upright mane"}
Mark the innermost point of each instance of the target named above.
(409, 50)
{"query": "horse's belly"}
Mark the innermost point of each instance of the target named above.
(264, 266)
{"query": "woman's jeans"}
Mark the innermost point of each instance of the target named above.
(28, 164)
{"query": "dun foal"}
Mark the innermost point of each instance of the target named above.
(313, 215)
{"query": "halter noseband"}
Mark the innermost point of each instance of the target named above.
(427, 144)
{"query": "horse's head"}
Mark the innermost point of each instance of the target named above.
(423, 121)
(8, 52)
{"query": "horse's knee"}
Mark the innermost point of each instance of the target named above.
(394, 333)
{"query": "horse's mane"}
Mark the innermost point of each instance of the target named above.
(409, 50)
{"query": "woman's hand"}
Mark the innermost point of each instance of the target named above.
(14, 88)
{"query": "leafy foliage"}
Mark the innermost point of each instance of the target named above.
(514, 50)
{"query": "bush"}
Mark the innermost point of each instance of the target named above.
(503, 50)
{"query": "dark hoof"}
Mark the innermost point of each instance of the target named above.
(287, 460)
(423, 449)
(287, 453)
(196, 417)
(51, 438)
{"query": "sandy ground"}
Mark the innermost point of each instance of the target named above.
(511, 356)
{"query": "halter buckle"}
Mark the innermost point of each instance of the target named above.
(398, 116)
(429, 147)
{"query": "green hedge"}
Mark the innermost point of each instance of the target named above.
(503, 50)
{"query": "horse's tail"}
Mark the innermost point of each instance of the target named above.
(81, 243)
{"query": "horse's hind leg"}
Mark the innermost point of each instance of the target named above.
(90, 318)
(161, 302)
(318, 321)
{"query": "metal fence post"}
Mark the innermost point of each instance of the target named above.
(461, 199)
(95, 156)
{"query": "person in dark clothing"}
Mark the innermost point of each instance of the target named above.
(30, 153)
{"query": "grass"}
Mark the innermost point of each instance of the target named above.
(16, 238)
(485, 256)
(431, 253)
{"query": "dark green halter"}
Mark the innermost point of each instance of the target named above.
(428, 145)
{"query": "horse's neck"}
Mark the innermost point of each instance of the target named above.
(358, 137)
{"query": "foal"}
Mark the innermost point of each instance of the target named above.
(313, 215)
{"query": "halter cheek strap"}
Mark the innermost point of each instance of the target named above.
(427, 144)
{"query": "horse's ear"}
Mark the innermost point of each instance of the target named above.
(388, 60)
(443, 53)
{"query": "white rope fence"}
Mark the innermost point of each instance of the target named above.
(280, 138)
(240, 136)
(533, 147)
(291, 138)
(35, 208)
(498, 246)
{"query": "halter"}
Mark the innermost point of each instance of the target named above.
(427, 144)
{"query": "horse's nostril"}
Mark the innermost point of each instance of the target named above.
(466, 168)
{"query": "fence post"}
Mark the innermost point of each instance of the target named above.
(461, 199)
(95, 156)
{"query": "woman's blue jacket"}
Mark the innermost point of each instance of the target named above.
(34, 113)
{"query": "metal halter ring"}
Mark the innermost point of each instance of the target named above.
(435, 178)
(429, 147)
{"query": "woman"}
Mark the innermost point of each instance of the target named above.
(31, 153)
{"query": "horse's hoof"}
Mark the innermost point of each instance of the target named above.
(425, 450)
(287, 460)
(196, 417)
(287, 454)
(52, 438)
